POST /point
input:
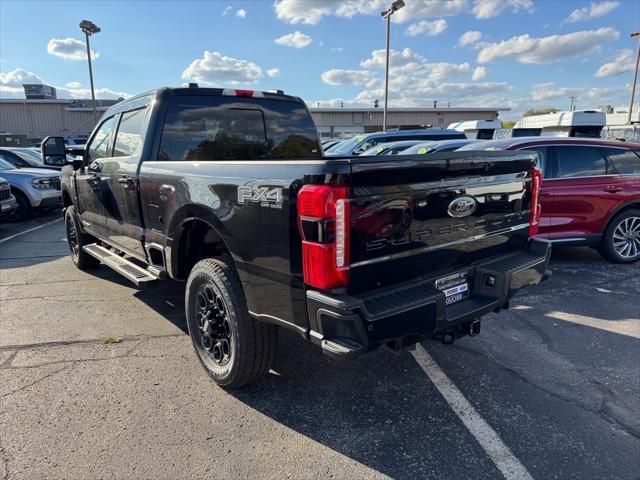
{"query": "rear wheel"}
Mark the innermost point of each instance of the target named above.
(621, 240)
(76, 240)
(23, 208)
(233, 348)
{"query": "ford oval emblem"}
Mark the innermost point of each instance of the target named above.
(462, 207)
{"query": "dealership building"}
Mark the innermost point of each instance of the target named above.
(347, 122)
(41, 114)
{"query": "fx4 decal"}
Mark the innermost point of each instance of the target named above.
(265, 196)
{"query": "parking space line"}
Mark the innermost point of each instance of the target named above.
(11, 237)
(487, 437)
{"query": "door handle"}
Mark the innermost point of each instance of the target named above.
(545, 194)
(612, 189)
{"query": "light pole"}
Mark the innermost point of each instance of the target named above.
(395, 6)
(89, 28)
(635, 77)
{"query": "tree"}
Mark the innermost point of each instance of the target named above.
(541, 111)
(508, 123)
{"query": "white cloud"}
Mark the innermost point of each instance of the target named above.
(273, 72)
(594, 10)
(479, 73)
(84, 93)
(295, 40)
(397, 59)
(469, 38)
(525, 49)
(241, 13)
(70, 49)
(622, 62)
(11, 82)
(311, 11)
(483, 9)
(226, 10)
(347, 77)
(215, 68)
(430, 28)
(11, 87)
(409, 63)
(337, 49)
(587, 96)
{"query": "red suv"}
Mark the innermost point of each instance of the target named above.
(590, 192)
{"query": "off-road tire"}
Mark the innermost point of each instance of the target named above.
(79, 257)
(612, 233)
(251, 344)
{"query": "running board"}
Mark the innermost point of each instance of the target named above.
(124, 267)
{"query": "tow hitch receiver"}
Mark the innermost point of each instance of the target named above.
(470, 328)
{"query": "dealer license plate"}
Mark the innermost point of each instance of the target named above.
(455, 287)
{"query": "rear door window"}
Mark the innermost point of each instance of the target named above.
(128, 138)
(99, 146)
(579, 161)
(626, 162)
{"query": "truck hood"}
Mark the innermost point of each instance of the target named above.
(30, 172)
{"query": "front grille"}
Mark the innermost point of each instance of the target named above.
(5, 193)
(56, 183)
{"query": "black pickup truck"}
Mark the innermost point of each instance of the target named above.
(229, 191)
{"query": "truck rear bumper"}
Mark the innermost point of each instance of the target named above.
(347, 325)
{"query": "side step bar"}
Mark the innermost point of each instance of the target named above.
(124, 267)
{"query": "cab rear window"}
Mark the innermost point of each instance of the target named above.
(202, 128)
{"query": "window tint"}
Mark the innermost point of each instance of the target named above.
(98, 148)
(624, 161)
(542, 152)
(214, 128)
(578, 161)
(128, 138)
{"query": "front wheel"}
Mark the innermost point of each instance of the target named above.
(621, 240)
(23, 208)
(233, 348)
(76, 240)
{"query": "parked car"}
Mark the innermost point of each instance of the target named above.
(33, 188)
(590, 192)
(437, 146)
(361, 143)
(391, 148)
(331, 147)
(229, 190)
(7, 200)
(27, 157)
(327, 144)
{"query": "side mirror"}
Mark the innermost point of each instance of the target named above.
(52, 151)
(77, 163)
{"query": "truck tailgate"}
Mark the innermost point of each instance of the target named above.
(413, 216)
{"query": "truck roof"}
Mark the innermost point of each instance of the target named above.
(204, 91)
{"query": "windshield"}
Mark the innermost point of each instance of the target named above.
(29, 156)
(419, 149)
(4, 165)
(348, 146)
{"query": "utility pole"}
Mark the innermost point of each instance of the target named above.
(573, 103)
(395, 6)
(635, 35)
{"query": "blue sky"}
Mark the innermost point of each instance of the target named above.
(518, 54)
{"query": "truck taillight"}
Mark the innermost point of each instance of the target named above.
(536, 181)
(323, 220)
(236, 92)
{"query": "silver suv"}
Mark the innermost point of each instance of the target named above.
(33, 188)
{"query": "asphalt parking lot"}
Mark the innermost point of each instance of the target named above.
(98, 380)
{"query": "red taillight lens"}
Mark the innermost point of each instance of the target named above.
(323, 219)
(536, 181)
